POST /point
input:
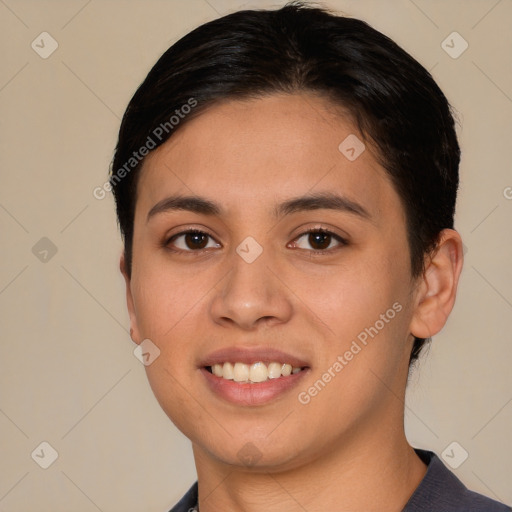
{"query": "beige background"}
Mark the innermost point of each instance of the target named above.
(68, 375)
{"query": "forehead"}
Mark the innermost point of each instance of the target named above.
(253, 152)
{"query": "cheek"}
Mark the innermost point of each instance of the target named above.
(170, 311)
(164, 297)
(353, 295)
(365, 306)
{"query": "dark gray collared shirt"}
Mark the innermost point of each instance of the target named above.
(439, 491)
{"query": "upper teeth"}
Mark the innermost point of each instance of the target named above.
(257, 372)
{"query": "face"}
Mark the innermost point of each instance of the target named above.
(258, 240)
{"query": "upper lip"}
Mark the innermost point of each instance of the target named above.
(251, 355)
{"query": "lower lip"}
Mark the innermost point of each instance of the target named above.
(245, 393)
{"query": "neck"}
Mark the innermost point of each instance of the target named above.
(372, 472)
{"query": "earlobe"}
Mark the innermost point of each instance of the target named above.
(134, 330)
(438, 287)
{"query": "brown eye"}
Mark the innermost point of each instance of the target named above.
(196, 240)
(319, 240)
(192, 241)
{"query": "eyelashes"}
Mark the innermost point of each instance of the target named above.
(320, 241)
(194, 237)
(320, 236)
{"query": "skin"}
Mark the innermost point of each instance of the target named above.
(346, 449)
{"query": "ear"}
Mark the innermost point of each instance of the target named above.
(134, 329)
(437, 288)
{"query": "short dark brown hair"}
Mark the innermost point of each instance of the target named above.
(396, 104)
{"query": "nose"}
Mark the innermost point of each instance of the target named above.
(251, 295)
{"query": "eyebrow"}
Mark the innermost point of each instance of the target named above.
(317, 201)
(321, 201)
(193, 204)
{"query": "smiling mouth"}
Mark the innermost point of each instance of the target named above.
(253, 373)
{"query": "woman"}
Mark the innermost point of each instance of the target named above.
(285, 185)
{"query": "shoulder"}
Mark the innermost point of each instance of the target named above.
(188, 502)
(441, 490)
